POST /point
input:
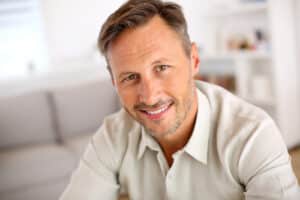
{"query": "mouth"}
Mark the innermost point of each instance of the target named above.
(156, 114)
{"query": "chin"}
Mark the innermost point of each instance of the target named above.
(161, 132)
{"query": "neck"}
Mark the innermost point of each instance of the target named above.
(170, 144)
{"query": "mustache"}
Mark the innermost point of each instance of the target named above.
(143, 106)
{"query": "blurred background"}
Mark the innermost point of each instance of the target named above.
(55, 90)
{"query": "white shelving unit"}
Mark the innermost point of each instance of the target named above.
(236, 16)
(238, 8)
(258, 73)
(249, 55)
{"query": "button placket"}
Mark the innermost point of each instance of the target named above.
(162, 163)
(170, 187)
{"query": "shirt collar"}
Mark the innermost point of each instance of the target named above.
(197, 145)
(147, 141)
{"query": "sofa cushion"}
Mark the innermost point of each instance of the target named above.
(78, 144)
(25, 119)
(24, 167)
(80, 109)
(51, 190)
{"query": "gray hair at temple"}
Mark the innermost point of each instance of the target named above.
(135, 13)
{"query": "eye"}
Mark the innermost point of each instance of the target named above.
(131, 77)
(161, 68)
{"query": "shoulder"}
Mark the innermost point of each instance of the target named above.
(229, 109)
(232, 116)
(248, 146)
(239, 129)
(119, 124)
(114, 135)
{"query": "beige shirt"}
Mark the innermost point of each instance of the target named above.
(235, 152)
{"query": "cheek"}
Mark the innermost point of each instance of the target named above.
(128, 97)
(178, 82)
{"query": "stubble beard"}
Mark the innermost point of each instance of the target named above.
(180, 117)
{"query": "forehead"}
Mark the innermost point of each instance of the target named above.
(145, 43)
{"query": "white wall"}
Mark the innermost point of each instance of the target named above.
(286, 65)
(197, 26)
(297, 7)
(72, 26)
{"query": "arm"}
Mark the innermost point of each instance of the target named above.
(265, 167)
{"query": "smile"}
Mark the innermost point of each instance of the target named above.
(158, 113)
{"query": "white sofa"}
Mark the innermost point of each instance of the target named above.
(43, 134)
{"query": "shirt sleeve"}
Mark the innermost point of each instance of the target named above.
(96, 176)
(265, 167)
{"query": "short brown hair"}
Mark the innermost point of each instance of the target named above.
(135, 13)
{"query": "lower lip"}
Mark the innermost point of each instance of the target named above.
(158, 115)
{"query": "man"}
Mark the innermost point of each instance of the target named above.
(175, 138)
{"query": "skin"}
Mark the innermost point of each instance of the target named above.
(153, 76)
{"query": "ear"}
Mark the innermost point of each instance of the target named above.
(195, 60)
(112, 80)
(111, 75)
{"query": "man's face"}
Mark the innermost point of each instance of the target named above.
(154, 76)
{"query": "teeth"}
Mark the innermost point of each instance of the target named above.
(157, 111)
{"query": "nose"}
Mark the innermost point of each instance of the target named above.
(148, 91)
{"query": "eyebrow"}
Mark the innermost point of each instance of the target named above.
(159, 61)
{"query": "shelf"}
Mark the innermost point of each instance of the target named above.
(237, 9)
(247, 55)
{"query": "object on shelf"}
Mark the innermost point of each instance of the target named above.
(249, 41)
(261, 43)
(239, 42)
(225, 81)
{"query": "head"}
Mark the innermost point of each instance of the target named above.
(152, 63)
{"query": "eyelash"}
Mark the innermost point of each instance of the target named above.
(130, 77)
(161, 68)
